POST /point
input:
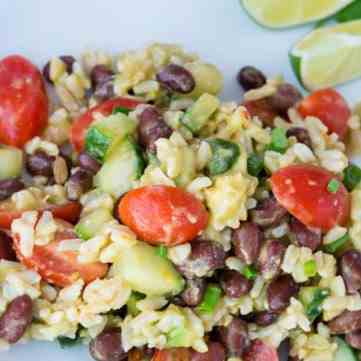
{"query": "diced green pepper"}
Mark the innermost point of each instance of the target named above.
(249, 272)
(279, 141)
(333, 186)
(132, 308)
(352, 177)
(310, 268)
(336, 245)
(162, 251)
(121, 110)
(312, 299)
(210, 300)
(255, 164)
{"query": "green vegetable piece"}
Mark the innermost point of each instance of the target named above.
(279, 141)
(132, 308)
(162, 251)
(66, 342)
(352, 177)
(336, 245)
(197, 116)
(255, 164)
(350, 12)
(210, 300)
(178, 337)
(121, 110)
(344, 351)
(11, 162)
(249, 272)
(312, 299)
(310, 268)
(224, 156)
(333, 186)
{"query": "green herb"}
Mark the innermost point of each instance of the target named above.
(352, 177)
(255, 164)
(314, 308)
(336, 245)
(310, 268)
(249, 272)
(121, 110)
(66, 342)
(210, 300)
(333, 186)
(162, 251)
(279, 141)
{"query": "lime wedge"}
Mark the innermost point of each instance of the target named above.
(350, 12)
(285, 13)
(328, 56)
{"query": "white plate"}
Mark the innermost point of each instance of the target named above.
(218, 30)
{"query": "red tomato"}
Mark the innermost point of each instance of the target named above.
(330, 107)
(163, 215)
(60, 268)
(69, 212)
(260, 351)
(23, 101)
(175, 354)
(302, 190)
(81, 125)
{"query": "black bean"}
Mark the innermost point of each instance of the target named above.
(285, 98)
(235, 337)
(280, 291)
(79, 183)
(301, 134)
(6, 249)
(104, 91)
(304, 236)
(247, 241)
(107, 346)
(348, 321)
(250, 78)
(205, 257)
(194, 291)
(354, 339)
(10, 186)
(16, 318)
(40, 164)
(152, 127)
(216, 352)
(351, 270)
(69, 62)
(265, 318)
(268, 212)
(176, 78)
(270, 259)
(66, 150)
(89, 163)
(284, 350)
(234, 284)
(102, 82)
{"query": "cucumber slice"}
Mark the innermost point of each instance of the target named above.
(106, 133)
(91, 224)
(197, 116)
(147, 272)
(11, 162)
(189, 168)
(124, 165)
(344, 351)
(224, 155)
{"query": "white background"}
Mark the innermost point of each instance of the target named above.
(218, 30)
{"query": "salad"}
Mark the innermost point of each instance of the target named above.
(146, 218)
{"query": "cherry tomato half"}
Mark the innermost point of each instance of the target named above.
(23, 101)
(57, 267)
(260, 351)
(81, 125)
(69, 212)
(330, 107)
(163, 215)
(303, 190)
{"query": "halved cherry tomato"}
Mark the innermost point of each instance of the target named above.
(260, 351)
(330, 107)
(174, 354)
(163, 214)
(68, 212)
(303, 191)
(81, 125)
(23, 101)
(57, 267)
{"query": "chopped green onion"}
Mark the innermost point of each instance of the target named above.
(310, 268)
(336, 245)
(279, 141)
(333, 186)
(162, 251)
(210, 300)
(255, 164)
(121, 110)
(313, 309)
(352, 177)
(249, 272)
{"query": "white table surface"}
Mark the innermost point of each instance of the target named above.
(218, 30)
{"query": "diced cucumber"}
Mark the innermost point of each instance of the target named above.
(179, 337)
(189, 168)
(132, 303)
(312, 299)
(91, 224)
(199, 113)
(124, 165)
(106, 133)
(344, 351)
(224, 155)
(11, 162)
(147, 272)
